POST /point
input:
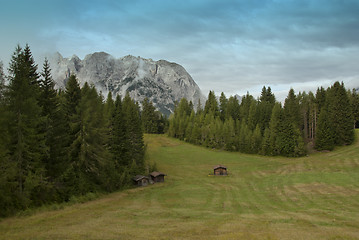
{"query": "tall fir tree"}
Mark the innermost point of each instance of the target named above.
(223, 105)
(211, 105)
(325, 135)
(340, 114)
(149, 117)
(134, 133)
(265, 106)
(49, 103)
(27, 147)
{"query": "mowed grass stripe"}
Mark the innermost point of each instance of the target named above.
(315, 197)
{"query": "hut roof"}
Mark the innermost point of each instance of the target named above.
(138, 177)
(219, 166)
(156, 174)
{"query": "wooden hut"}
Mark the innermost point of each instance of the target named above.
(141, 180)
(157, 176)
(220, 170)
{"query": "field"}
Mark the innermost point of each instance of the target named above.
(315, 197)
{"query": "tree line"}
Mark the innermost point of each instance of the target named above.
(56, 144)
(264, 126)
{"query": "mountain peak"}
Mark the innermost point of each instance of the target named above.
(162, 82)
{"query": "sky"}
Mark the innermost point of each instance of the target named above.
(226, 46)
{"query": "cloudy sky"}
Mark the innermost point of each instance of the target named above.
(226, 46)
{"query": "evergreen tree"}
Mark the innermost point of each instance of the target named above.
(71, 176)
(211, 105)
(2, 82)
(354, 96)
(264, 109)
(223, 105)
(232, 108)
(325, 135)
(27, 146)
(49, 104)
(9, 200)
(291, 108)
(118, 135)
(320, 98)
(252, 116)
(134, 134)
(340, 113)
(256, 140)
(274, 128)
(245, 106)
(266, 145)
(149, 117)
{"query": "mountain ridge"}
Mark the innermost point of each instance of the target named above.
(162, 82)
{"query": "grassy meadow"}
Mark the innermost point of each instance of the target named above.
(314, 197)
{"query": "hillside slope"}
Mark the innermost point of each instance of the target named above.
(314, 197)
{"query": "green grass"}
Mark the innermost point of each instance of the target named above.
(315, 197)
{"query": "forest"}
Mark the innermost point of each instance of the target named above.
(57, 144)
(304, 122)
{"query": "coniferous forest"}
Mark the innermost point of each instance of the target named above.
(59, 144)
(263, 126)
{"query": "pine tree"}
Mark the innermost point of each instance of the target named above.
(223, 105)
(245, 106)
(252, 116)
(49, 104)
(211, 105)
(134, 134)
(325, 135)
(256, 140)
(340, 114)
(274, 128)
(232, 108)
(27, 148)
(264, 109)
(2, 82)
(149, 117)
(8, 173)
(291, 108)
(71, 175)
(118, 142)
(354, 96)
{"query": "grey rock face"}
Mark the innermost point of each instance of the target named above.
(162, 82)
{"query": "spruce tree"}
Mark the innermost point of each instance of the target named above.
(211, 105)
(149, 117)
(118, 140)
(2, 82)
(27, 148)
(325, 135)
(71, 176)
(223, 105)
(49, 103)
(291, 108)
(232, 108)
(274, 128)
(340, 114)
(265, 106)
(354, 96)
(134, 133)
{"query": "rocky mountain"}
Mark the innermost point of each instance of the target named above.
(161, 81)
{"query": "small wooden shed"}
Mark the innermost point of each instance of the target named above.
(157, 176)
(141, 180)
(220, 170)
